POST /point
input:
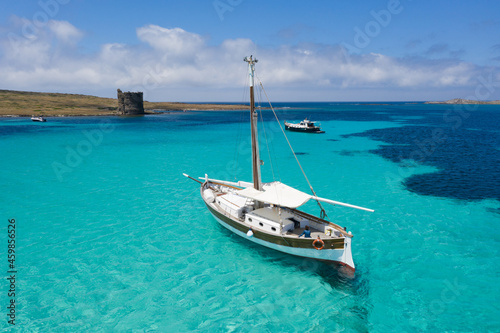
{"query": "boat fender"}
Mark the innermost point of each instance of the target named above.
(209, 195)
(250, 232)
(317, 243)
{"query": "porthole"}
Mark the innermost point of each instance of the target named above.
(249, 220)
(273, 228)
(261, 224)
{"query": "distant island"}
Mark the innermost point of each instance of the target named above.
(23, 104)
(464, 101)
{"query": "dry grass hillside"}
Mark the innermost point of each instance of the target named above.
(22, 103)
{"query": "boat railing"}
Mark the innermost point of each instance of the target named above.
(321, 221)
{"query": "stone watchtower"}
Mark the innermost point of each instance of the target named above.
(130, 103)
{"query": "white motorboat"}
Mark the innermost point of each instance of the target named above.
(305, 126)
(39, 118)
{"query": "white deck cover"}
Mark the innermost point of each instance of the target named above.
(276, 193)
(233, 201)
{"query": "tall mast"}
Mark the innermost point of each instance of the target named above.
(257, 183)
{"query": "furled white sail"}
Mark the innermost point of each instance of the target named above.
(279, 194)
(276, 193)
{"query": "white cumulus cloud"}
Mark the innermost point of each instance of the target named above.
(174, 41)
(169, 60)
(65, 31)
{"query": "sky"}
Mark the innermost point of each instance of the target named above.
(193, 50)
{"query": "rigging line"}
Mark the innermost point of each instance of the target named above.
(323, 212)
(187, 196)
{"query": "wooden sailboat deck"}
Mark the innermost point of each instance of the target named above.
(270, 214)
(314, 234)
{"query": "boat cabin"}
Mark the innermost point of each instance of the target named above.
(307, 123)
(271, 219)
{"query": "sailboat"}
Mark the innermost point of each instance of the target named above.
(267, 214)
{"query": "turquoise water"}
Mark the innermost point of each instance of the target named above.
(111, 237)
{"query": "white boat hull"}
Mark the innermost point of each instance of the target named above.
(339, 256)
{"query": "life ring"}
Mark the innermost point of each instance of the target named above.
(318, 240)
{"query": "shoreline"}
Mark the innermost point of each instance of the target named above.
(116, 114)
(113, 114)
(28, 104)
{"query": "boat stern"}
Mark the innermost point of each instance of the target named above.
(347, 257)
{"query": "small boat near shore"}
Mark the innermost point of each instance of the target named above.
(305, 126)
(39, 119)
